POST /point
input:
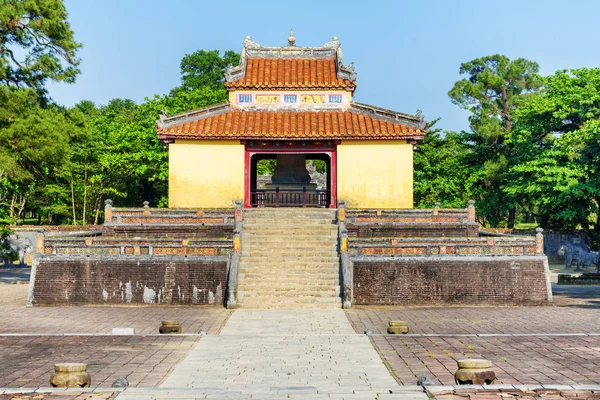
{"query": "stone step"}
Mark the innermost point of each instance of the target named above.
(285, 298)
(311, 223)
(280, 276)
(245, 292)
(271, 305)
(290, 292)
(297, 236)
(277, 248)
(282, 269)
(290, 211)
(316, 240)
(288, 253)
(288, 273)
(298, 279)
(304, 258)
(296, 262)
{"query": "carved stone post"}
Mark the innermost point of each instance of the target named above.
(539, 241)
(234, 260)
(436, 208)
(238, 216)
(341, 211)
(347, 268)
(40, 242)
(146, 205)
(108, 212)
(471, 209)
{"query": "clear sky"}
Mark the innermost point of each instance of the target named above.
(406, 53)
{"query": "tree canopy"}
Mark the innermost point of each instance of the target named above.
(36, 44)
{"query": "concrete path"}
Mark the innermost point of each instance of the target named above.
(278, 354)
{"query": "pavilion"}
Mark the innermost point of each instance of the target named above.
(292, 104)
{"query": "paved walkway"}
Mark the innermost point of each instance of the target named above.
(277, 354)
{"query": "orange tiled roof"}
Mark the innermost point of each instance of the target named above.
(225, 122)
(291, 73)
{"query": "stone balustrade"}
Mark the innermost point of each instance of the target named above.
(443, 246)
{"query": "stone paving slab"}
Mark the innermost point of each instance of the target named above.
(281, 353)
(15, 317)
(516, 360)
(144, 360)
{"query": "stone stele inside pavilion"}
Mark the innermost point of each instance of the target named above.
(291, 104)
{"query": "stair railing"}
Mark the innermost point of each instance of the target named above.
(346, 266)
(234, 260)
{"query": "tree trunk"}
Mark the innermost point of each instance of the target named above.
(512, 213)
(11, 208)
(505, 106)
(83, 218)
(73, 202)
(21, 206)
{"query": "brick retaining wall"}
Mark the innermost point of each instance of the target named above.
(120, 280)
(451, 280)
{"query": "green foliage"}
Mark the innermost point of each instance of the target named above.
(36, 44)
(440, 172)
(320, 166)
(562, 178)
(206, 69)
(266, 167)
(61, 164)
(494, 89)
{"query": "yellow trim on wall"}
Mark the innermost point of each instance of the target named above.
(205, 173)
(375, 173)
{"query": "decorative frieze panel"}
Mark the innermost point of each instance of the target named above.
(299, 99)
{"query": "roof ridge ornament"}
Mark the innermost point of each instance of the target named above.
(249, 43)
(291, 39)
(333, 44)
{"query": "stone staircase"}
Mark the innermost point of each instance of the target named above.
(289, 259)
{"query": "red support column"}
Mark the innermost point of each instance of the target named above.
(333, 195)
(247, 171)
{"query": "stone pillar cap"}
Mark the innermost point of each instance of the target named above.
(470, 363)
(169, 322)
(398, 323)
(70, 367)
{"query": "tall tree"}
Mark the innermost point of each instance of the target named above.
(563, 178)
(494, 88)
(206, 68)
(36, 44)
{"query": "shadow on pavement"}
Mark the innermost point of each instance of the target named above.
(576, 296)
(14, 275)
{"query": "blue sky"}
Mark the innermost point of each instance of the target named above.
(406, 53)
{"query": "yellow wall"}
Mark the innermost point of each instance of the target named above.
(375, 173)
(205, 173)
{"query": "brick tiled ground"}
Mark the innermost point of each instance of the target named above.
(510, 394)
(16, 318)
(144, 360)
(576, 311)
(534, 359)
(516, 360)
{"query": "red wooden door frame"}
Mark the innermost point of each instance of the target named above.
(291, 148)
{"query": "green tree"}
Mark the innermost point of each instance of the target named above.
(440, 172)
(494, 88)
(206, 69)
(563, 177)
(36, 44)
(34, 142)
